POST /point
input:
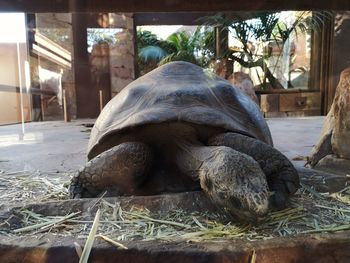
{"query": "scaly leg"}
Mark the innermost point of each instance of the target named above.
(119, 171)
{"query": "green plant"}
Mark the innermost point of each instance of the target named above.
(262, 28)
(197, 48)
(184, 48)
(150, 51)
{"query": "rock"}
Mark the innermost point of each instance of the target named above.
(332, 163)
(222, 67)
(341, 115)
(245, 84)
(324, 146)
(334, 146)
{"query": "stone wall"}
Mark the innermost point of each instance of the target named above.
(341, 47)
(100, 72)
(122, 66)
(341, 113)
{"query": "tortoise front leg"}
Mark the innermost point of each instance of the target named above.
(280, 173)
(119, 171)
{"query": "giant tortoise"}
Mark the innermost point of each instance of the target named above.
(182, 128)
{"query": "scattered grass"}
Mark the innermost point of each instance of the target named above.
(24, 187)
(113, 242)
(308, 212)
(90, 240)
(253, 257)
(47, 224)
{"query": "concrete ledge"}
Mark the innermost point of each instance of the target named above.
(50, 248)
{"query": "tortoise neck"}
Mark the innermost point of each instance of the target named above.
(192, 157)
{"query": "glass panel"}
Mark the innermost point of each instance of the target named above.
(77, 58)
(51, 61)
(15, 103)
(280, 42)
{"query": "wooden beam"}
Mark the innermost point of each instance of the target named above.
(37, 6)
(306, 101)
(32, 90)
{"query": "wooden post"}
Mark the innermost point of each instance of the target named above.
(65, 110)
(221, 51)
(221, 42)
(321, 69)
(101, 100)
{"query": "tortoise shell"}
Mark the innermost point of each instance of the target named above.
(178, 92)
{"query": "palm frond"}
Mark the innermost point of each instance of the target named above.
(179, 56)
(152, 53)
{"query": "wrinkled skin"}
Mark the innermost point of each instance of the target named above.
(233, 180)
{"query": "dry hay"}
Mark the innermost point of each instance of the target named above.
(24, 187)
(308, 212)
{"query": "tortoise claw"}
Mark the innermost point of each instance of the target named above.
(291, 187)
(279, 200)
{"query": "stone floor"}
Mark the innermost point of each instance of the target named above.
(46, 146)
(61, 147)
(295, 137)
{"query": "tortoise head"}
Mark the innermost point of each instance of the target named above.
(239, 188)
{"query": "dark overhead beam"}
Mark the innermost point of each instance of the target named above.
(37, 6)
(180, 18)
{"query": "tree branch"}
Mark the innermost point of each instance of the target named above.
(275, 84)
